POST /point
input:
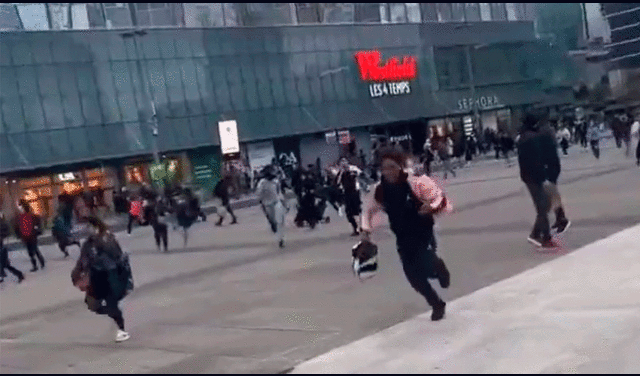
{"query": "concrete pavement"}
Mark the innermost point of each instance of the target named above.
(233, 302)
(576, 314)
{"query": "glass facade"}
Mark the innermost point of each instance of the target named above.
(71, 96)
(62, 16)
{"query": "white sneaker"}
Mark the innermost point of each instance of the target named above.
(122, 336)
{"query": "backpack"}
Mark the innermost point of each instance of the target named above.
(364, 259)
(28, 226)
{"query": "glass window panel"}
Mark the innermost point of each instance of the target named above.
(192, 93)
(81, 147)
(367, 12)
(398, 12)
(511, 11)
(60, 15)
(237, 97)
(335, 13)
(472, 12)
(95, 15)
(12, 113)
(48, 80)
(251, 92)
(117, 47)
(231, 15)
(118, 17)
(149, 47)
(233, 74)
(172, 73)
(9, 19)
(485, 12)
(275, 67)
(264, 90)
(279, 97)
(127, 103)
(304, 91)
(34, 117)
(67, 80)
(413, 12)
(142, 6)
(316, 89)
(223, 96)
(328, 92)
(27, 80)
(39, 147)
(122, 77)
(429, 12)
(350, 85)
(157, 83)
(33, 16)
(291, 92)
(167, 47)
(498, 12)
(444, 12)
(52, 106)
(457, 12)
(42, 49)
(183, 48)
(22, 54)
(308, 13)
(91, 109)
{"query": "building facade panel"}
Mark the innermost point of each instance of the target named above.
(274, 82)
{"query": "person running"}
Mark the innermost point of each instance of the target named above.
(411, 202)
(564, 136)
(539, 162)
(5, 263)
(593, 135)
(27, 226)
(103, 272)
(221, 196)
(187, 212)
(62, 224)
(271, 200)
(135, 212)
(348, 182)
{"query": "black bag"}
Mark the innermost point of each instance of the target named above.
(364, 259)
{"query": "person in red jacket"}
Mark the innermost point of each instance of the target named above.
(411, 202)
(135, 211)
(27, 226)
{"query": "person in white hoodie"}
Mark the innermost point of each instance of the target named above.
(272, 202)
(411, 202)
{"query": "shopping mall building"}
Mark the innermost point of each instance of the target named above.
(77, 107)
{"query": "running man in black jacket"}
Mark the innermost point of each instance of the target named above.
(539, 166)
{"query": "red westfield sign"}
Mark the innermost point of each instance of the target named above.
(371, 69)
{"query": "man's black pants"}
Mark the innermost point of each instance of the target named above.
(34, 252)
(420, 263)
(542, 204)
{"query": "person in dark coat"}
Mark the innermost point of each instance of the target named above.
(5, 263)
(188, 209)
(104, 274)
(539, 162)
(348, 181)
(411, 203)
(221, 193)
(28, 227)
(62, 224)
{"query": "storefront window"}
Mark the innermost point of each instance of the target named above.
(498, 12)
(457, 12)
(444, 12)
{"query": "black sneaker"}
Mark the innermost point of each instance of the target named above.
(21, 278)
(281, 244)
(563, 226)
(437, 313)
(34, 269)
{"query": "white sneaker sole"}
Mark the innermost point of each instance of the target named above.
(122, 339)
(534, 242)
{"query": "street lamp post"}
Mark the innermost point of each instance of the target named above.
(472, 86)
(142, 75)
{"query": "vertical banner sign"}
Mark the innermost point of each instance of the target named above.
(389, 79)
(229, 142)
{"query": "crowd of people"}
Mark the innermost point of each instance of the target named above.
(392, 181)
